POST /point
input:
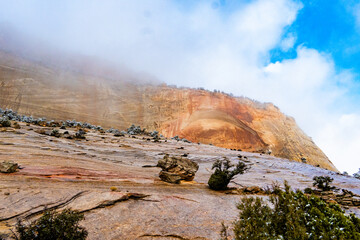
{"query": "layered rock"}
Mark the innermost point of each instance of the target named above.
(175, 169)
(197, 115)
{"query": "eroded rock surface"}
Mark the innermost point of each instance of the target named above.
(79, 174)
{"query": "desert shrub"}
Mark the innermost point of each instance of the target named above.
(295, 216)
(308, 190)
(357, 175)
(80, 134)
(52, 225)
(55, 133)
(224, 172)
(323, 183)
(5, 122)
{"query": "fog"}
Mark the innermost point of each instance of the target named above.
(222, 45)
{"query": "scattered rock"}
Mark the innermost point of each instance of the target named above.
(8, 167)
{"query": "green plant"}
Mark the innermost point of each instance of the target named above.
(295, 216)
(224, 173)
(5, 122)
(357, 175)
(55, 133)
(323, 183)
(52, 225)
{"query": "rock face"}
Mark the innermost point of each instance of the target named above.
(8, 167)
(197, 115)
(175, 169)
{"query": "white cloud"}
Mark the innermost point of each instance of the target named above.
(288, 42)
(340, 139)
(203, 46)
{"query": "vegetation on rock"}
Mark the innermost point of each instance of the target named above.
(224, 172)
(52, 225)
(357, 175)
(4, 122)
(323, 183)
(295, 216)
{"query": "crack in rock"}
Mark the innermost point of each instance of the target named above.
(108, 203)
(46, 208)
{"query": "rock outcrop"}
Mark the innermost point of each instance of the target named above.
(197, 115)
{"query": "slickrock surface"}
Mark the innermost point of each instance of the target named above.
(108, 100)
(59, 173)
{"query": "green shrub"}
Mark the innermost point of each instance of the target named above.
(294, 216)
(5, 122)
(52, 225)
(223, 173)
(357, 175)
(323, 183)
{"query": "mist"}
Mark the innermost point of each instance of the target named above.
(223, 45)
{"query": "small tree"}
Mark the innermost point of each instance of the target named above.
(293, 215)
(223, 173)
(52, 225)
(323, 183)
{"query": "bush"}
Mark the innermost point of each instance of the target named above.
(357, 175)
(52, 225)
(293, 216)
(223, 173)
(5, 122)
(80, 134)
(323, 183)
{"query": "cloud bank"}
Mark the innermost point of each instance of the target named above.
(223, 45)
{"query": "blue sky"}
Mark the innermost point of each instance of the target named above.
(302, 55)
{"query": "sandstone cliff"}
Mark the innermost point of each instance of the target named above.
(197, 115)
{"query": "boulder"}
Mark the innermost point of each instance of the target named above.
(8, 167)
(183, 167)
(169, 177)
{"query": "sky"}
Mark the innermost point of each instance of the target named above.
(301, 55)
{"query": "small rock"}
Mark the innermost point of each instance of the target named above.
(8, 167)
(254, 189)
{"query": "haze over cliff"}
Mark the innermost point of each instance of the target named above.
(99, 94)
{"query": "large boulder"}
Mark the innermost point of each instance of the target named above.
(8, 167)
(169, 177)
(184, 168)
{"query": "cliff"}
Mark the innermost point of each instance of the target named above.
(34, 88)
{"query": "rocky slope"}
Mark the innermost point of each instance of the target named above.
(38, 89)
(60, 173)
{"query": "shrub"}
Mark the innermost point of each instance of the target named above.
(80, 134)
(357, 175)
(5, 122)
(223, 173)
(323, 183)
(52, 225)
(55, 133)
(293, 216)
